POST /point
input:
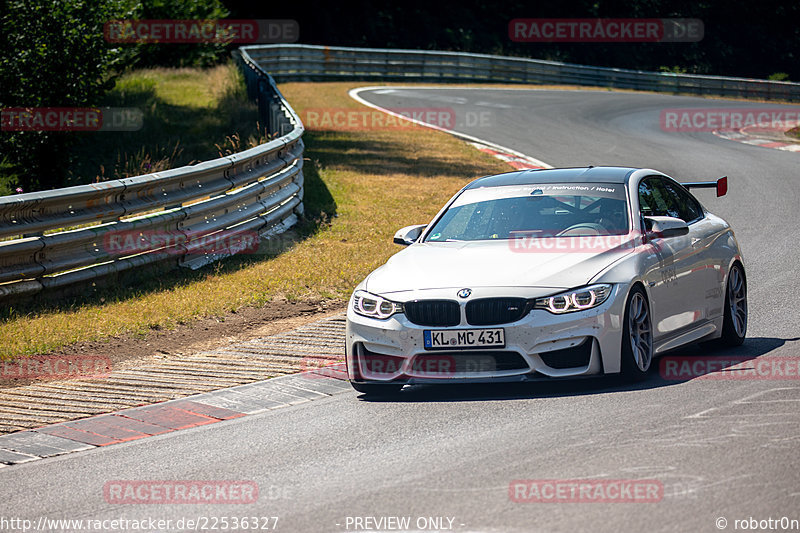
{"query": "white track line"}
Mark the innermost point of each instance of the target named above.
(355, 95)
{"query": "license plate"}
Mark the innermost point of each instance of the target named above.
(440, 339)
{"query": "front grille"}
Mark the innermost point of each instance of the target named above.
(489, 311)
(435, 313)
(574, 357)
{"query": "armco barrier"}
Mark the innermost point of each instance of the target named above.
(317, 63)
(261, 189)
(54, 239)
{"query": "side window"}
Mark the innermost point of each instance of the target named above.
(651, 198)
(660, 197)
(672, 207)
(645, 198)
(687, 206)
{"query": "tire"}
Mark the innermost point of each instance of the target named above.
(637, 337)
(377, 389)
(734, 324)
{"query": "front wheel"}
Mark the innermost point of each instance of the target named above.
(377, 389)
(637, 336)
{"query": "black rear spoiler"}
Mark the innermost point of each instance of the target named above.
(721, 185)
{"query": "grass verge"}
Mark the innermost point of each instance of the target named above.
(188, 115)
(361, 185)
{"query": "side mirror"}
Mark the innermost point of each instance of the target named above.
(665, 227)
(409, 234)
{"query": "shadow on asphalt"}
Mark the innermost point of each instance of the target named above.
(752, 348)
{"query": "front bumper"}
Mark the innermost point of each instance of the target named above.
(541, 345)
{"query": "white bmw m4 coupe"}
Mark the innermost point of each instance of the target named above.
(553, 273)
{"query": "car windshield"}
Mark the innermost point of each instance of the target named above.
(543, 210)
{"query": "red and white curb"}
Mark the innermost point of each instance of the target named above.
(750, 135)
(515, 159)
(175, 415)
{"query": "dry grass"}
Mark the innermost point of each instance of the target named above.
(361, 186)
(187, 115)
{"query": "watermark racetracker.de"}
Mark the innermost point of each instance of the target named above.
(173, 31)
(610, 30)
(586, 491)
(71, 119)
(243, 522)
(199, 492)
(709, 119)
(541, 242)
(320, 367)
(739, 368)
(397, 118)
(44, 367)
(548, 241)
(131, 242)
(424, 366)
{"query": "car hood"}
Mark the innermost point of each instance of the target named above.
(475, 264)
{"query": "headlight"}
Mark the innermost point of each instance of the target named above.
(369, 305)
(575, 300)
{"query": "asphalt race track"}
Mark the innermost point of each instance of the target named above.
(719, 448)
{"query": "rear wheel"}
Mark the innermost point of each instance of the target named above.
(637, 336)
(734, 325)
(377, 389)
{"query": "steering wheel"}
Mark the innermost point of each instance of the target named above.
(581, 229)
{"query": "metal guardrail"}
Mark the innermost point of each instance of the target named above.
(258, 191)
(314, 63)
(261, 190)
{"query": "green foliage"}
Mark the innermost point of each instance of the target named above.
(779, 76)
(672, 70)
(54, 55)
(181, 55)
(9, 180)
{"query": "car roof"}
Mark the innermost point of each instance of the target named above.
(556, 175)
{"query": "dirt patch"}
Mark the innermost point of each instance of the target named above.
(203, 335)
